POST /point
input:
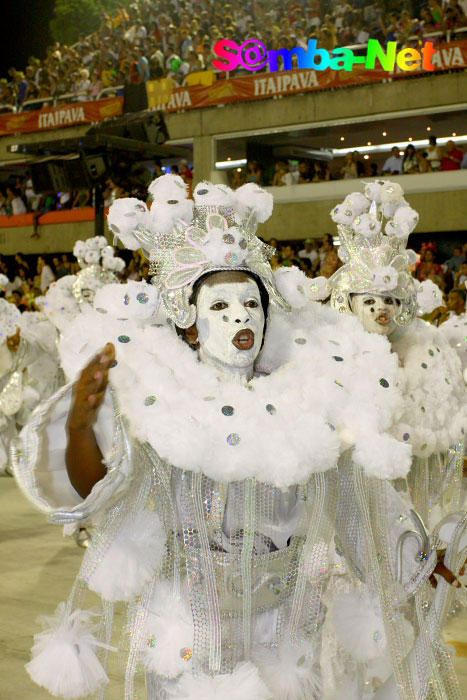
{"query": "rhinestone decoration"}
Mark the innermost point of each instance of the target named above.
(337, 358)
(348, 212)
(149, 400)
(151, 641)
(228, 238)
(202, 192)
(379, 557)
(228, 410)
(424, 365)
(330, 426)
(405, 436)
(377, 636)
(233, 439)
(384, 382)
(271, 409)
(231, 259)
(186, 654)
(424, 446)
(172, 201)
(423, 409)
(300, 341)
(447, 380)
(336, 381)
(313, 288)
(402, 517)
(340, 300)
(114, 364)
(142, 298)
(430, 352)
(209, 398)
(123, 338)
(242, 244)
(126, 299)
(100, 310)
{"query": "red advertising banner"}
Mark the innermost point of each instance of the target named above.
(164, 95)
(58, 117)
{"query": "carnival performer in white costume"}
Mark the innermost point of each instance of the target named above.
(375, 284)
(29, 367)
(212, 453)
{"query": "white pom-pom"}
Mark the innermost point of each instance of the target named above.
(342, 215)
(207, 194)
(168, 187)
(382, 456)
(168, 634)
(366, 225)
(385, 278)
(353, 205)
(406, 215)
(292, 285)
(132, 559)
(395, 228)
(123, 218)
(391, 192)
(100, 242)
(91, 256)
(4, 280)
(243, 684)
(290, 671)
(359, 626)
(373, 190)
(318, 288)
(165, 213)
(79, 249)
(134, 300)
(251, 196)
(64, 659)
(429, 297)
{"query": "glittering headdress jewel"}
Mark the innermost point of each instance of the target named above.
(185, 241)
(373, 230)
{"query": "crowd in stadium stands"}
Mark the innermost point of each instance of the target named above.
(30, 276)
(154, 39)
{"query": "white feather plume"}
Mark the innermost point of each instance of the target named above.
(251, 196)
(382, 456)
(429, 297)
(132, 559)
(124, 215)
(169, 633)
(243, 684)
(291, 671)
(64, 659)
(207, 194)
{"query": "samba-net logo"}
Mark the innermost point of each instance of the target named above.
(252, 55)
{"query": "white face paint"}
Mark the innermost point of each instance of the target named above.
(376, 312)
(230, 323)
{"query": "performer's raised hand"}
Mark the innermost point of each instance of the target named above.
(89, 390)
(13, 341)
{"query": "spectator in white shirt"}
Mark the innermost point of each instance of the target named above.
(309, 251)
(393, 164)
(17, 205)
(45, 271)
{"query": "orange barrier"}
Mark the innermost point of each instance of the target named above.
(65, 216)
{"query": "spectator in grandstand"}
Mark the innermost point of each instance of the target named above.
(322, 173)
(428, 265)
(460, 278)
(45, 272)
(142, 65)
(328, 260)
(452, 157)
(427, 24)
(423, 162)
(436, 10)
(389, 27)
(349, 169)
(81, 199)
(309, 251)
(373, 169)
(304, 172)
(455, 261)
(3, 204)
(60, 269)
(434, 154)
(464, 161)
(238, 178)
(393, 164)
(254, 172)
(82, 85)
(22, 88)
(410, 162)
(16, 204)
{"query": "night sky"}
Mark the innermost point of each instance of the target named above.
(24, 32)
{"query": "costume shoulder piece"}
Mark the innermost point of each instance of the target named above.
(434, 392)
(317, 367)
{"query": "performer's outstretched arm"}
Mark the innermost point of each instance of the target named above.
(83, 457)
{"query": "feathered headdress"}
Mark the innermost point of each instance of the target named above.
(185, 241)
(373, 230)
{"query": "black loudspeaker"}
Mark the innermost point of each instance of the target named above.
(97, 167)
(69, 173)
(135, 98)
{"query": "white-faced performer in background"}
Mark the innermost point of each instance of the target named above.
(210, 449)
(29, 370)
(376, 285)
